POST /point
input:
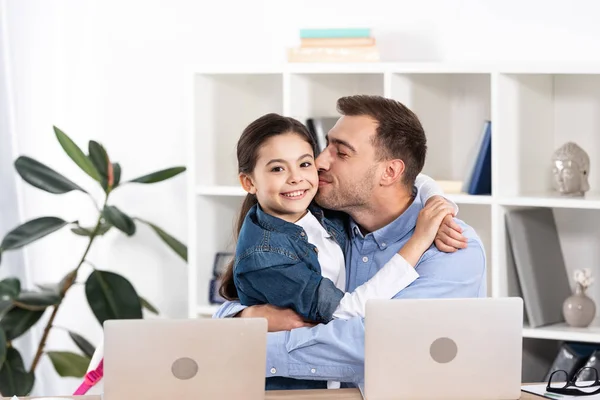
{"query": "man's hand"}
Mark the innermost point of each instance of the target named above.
(278, 319)
(449, 237)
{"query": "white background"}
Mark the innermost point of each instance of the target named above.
(113, 71)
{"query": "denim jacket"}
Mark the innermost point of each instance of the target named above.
(275, 264)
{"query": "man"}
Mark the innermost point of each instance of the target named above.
(368, 169)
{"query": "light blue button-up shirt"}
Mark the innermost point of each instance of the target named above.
(335, 351)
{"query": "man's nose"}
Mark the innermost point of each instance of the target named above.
(323, 160)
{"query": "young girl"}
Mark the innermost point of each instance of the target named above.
(289, 252)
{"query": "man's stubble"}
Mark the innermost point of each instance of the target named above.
(349, 196)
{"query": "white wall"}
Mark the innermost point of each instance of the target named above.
(112, 71)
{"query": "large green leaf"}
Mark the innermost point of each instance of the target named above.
(176, 245)
(101, 161)
(15, 380)
(31, 231)
(42, 177)
(117, 174)
(10, 288)
(120, 220)
(87, 231)
(69, 364)
(76, 154)
(111, 296)
(3, 347)
(18, 321)
(99, 157)
(146, 304)
(39, 299)
(83, 344)
(159, 175)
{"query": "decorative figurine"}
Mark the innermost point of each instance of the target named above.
(570, 170)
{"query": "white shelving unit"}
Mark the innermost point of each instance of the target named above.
(534, 110)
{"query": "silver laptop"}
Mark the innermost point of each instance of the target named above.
(185, 359)
(443, 349)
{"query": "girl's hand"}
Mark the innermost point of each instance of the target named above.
(430, 220)
(449, 237)
(428, 225)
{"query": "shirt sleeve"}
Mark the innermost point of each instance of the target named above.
(335, 351)
(294, 286)
(229, 309)
(428, 188)
(395, 275)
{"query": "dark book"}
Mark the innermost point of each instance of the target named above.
(571, 357)
(592, 362)
(319, 128)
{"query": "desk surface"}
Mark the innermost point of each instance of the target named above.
(339, 394)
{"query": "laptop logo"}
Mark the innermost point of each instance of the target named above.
(443, 350)
(184, 368)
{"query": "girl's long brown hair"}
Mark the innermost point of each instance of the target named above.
(250, 142)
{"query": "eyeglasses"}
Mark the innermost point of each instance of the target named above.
(585, 378)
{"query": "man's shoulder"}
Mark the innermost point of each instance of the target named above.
(470, 261)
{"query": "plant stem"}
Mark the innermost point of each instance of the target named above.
(67, 286)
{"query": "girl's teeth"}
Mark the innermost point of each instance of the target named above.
(294, 194)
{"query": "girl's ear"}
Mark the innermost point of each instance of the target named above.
(247, 183)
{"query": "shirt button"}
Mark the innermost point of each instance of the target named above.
(365, 259)
(383, 244)
(316, 250)
(273, 370)
(302, 234)
(313, 370)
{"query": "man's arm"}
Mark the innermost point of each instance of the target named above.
(278, 319)
(228, 309)
(335, 351)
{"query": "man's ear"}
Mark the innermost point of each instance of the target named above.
(393, 172)
(247, 183)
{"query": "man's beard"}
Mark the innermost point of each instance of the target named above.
(350, 196)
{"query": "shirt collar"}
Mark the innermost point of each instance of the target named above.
(395, 230)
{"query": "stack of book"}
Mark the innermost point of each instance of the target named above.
(335, 45)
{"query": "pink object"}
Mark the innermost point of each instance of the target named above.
(91, 378)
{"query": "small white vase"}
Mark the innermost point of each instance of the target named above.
(579, 310)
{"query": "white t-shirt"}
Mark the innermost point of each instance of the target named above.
(395, 275)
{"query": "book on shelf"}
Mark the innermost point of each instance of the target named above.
(335, 45)
(337, 42)
(311, 33)
(319, 127)
(539, 263)
(450, 187)
(571, 357)
(478, 179)
(334, 54)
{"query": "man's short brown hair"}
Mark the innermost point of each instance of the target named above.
(399, 133)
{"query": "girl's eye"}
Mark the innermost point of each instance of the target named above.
(276, 169)
(306, 164)
(341, 155)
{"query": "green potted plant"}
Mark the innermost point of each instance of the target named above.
(109, 295)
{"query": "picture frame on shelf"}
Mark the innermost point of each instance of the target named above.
(222, 259)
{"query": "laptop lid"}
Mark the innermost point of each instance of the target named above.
(443, 348)
(185, 359)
